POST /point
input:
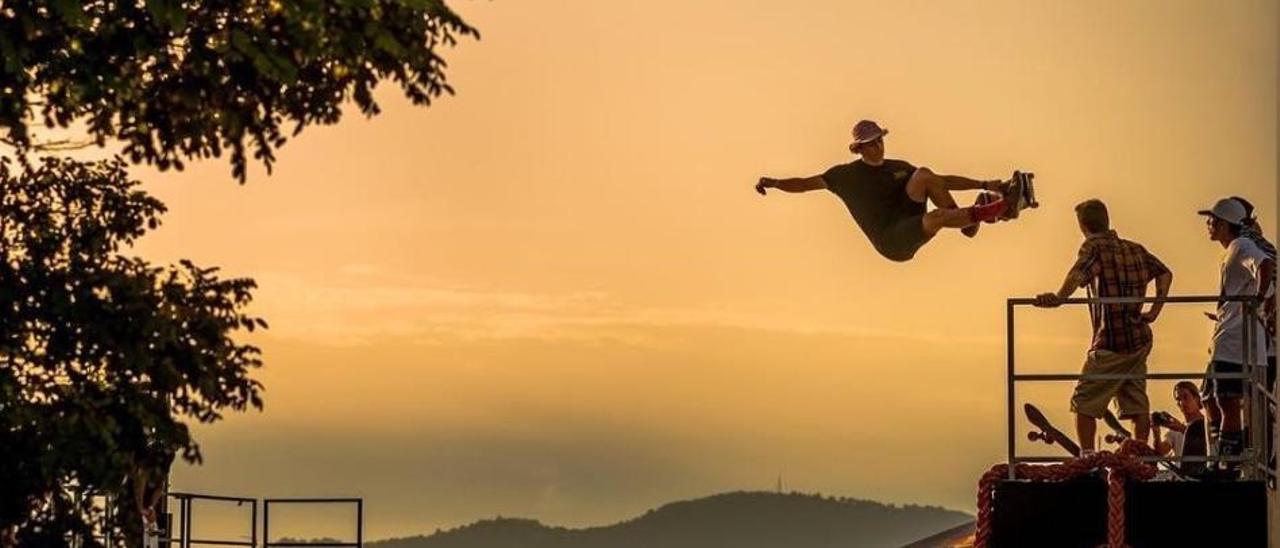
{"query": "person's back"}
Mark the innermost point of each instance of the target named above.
(1116, 365)
(1118, 268)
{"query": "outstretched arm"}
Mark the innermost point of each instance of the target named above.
(957, 182)
(803, 184)
(1075, 278)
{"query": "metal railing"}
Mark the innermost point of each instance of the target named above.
(184, 518)
(185, 501)
(1258, 398)
(266, 522)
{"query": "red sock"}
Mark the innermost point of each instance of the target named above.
(986, 212)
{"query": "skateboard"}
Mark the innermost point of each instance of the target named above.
(1120, 432)
(1020, 193)
(1046, 432)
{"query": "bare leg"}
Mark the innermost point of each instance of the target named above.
(1231, 415)
(1086, 429)
(1142, 428)
(927, 185)
(1214, 410)
(939, 219)
(1214, 423)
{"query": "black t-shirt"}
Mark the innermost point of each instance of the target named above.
(1193, 445)
(875, 195)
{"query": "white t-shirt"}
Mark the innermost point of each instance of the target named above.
(1175, 438)
(1240, 267)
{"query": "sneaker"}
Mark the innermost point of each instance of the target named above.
(1014, 200)
(983, 199)
(1219, 474)
(989, 211)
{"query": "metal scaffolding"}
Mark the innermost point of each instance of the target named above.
(1259, 402)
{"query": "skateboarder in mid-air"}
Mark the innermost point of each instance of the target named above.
(888, 198)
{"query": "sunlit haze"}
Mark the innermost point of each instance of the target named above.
(556, 296)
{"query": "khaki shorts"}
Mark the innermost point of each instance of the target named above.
(1092, 396)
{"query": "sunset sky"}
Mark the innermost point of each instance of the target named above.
(555, 295)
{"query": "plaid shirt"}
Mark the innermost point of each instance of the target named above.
(1113, 267)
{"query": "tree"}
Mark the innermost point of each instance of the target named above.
(175, 80)
(102, 355)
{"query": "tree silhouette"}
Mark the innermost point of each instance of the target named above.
(175, 80)
(102, 355)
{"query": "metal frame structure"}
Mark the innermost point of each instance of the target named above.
(184, 539)
(184, 520)
(266, 522)
(1258, 398)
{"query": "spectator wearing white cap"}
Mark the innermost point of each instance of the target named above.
(888, 198)
(1245, 271)
(1253, 231)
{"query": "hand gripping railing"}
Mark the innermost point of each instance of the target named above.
(1258, 399)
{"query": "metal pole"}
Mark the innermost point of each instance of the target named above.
(253, 525)
(1256, 464)
(266, 523)
(1009, 387)
(1247, 393)
(1257, 419)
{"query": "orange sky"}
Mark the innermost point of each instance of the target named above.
(556, 296)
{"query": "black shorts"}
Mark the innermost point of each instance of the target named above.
(1222, 388)
(900, 240)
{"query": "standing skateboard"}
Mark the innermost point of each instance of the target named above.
(1120, 432)
(1047, 433)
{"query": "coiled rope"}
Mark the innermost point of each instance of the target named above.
(1122, 465)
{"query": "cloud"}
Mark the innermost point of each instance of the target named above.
(360, 304)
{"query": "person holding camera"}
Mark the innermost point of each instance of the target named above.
(1186, 437)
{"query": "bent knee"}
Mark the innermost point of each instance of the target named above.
(924, 176)
(922, 182)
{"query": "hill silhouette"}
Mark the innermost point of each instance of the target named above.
(730, 520)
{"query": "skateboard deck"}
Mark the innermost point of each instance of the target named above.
(1120, 433)
(1046, 431)
(1020, 193)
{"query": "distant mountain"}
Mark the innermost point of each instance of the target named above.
(731, 520)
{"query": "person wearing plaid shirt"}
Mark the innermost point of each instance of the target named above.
(1112, 267)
